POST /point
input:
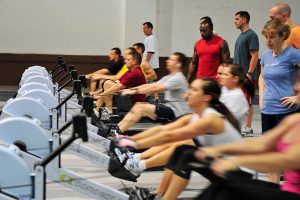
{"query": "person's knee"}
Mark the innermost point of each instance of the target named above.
(178, 144)
(138, 107)
(180, 149)
(108, 84)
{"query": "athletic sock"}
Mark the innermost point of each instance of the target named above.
(142, 164)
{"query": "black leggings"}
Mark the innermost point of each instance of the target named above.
(177, 162)
(270, 121)
(237, 186)
(245, 189)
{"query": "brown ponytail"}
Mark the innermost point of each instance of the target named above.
(212, 88)
(244, 82)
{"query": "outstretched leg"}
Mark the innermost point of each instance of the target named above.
(135, 114)
(153, 151)
(175, 179)
(163, 157)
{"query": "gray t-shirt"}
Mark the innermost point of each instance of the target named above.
(176, 85)
(246, 41)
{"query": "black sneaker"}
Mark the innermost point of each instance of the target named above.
(103, 131)
(140, 193)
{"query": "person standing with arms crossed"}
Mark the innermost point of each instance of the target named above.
(246, 53)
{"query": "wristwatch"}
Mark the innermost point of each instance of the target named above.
(250, 73)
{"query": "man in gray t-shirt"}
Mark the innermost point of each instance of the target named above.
(246, 54)
(173, 86)
(176, 86)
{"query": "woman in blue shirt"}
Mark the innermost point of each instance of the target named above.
(279, 66)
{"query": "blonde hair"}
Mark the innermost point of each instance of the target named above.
(275, 26)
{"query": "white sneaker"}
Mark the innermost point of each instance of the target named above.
(133, 156)
(133, 166)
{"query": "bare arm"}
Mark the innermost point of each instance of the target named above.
(192, 66)
(261, 86)
(100, 71)
(158, 129)
(266, 143)
(140, 87)
(289, 100)
(152, 88)
(225, 53)
(253, 60)
(209, 124)
(113, 89)
(148, 56)
(272, 162)
(106, 77)
(149, 72)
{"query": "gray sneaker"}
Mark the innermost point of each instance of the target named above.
(106, 114)
(247, 132)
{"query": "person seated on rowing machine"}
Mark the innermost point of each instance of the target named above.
(102, 77)
(277, 150)
(116, 63)
(231, 77)
(174, 86)
(132, 78)
(211, 121)
(149, 73)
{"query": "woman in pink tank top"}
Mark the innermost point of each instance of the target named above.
(284, 145)
(277, 150)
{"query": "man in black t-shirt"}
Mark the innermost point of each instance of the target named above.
(116, 64)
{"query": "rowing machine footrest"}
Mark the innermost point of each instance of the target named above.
(116, 169)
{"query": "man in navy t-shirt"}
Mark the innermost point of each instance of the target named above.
(246, 54)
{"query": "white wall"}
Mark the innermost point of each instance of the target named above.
(80, 27)
(187, 14)
(136, 13)
(92, 27)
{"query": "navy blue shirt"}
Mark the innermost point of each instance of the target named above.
(246, 41)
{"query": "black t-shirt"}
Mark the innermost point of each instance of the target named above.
(115, 67)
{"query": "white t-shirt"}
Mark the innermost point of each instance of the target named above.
(236, 103)
(229, 134)
(151, 45)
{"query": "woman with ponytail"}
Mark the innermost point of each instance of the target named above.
(233, 79)
(210, 124)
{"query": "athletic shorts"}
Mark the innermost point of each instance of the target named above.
(163, 111)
